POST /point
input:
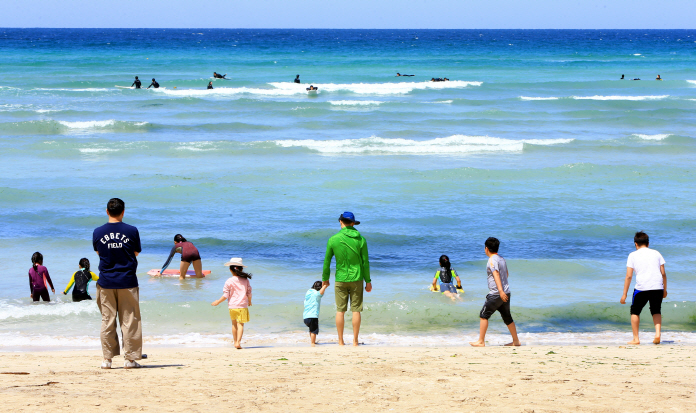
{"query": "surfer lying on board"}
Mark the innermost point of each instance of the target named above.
(219, 76)
(210, 85)
(153, 84)
(189, 255)
(439, 79)
(445, 274)
(311, 87)
(137, 83)
(399, 74)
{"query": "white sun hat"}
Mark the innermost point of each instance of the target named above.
(237, 262)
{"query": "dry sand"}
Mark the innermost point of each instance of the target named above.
(366, 379)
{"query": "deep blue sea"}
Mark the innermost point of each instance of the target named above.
(535, 140)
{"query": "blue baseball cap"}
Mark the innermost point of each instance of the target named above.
(350, 217)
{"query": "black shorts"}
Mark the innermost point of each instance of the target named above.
(78, 296)
(640, 298)
(495, 303)
(40, 295)
(190, 257)
(313, 324)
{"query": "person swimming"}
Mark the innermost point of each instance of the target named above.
(189, 255)
(297, 79)
(210, 84)
(219, 76)
(438, 79)
(137, 83)
(81, 279)
(153, 84)
(622, 77)
(636, 78)
(399, 74)
(658, 77)
(311, 87)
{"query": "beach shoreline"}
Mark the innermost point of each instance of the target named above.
(367, 378)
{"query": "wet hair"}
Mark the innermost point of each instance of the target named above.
(317, 285)
(492, 244)
(36, 260)
(84, 264)
(136, 77)
(115, 207)
(445, 262)
(641, 239)
(179, 238)
(153, 79)
(239, 272)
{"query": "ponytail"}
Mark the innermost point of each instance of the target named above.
(84, 264)
(236, 270)
(36, 260)
(179, 238)
(445, 262)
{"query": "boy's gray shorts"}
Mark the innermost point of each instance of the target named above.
(495, 303)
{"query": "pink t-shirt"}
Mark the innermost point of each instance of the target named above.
(236, 290)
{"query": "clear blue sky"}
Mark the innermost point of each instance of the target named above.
(359, 14)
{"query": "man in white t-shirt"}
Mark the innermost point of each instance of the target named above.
(651, 284)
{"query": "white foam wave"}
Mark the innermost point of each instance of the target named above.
(620, 97)
(89, 89)
(355, 102)
(375, 88)
(442, 101)
(657, 137)
(32, 342)
(46, 110)
(56, 309)
(692, 81)
(96, 150)
(452, 145)
(538, 98)
(87, 124)
(226, 91)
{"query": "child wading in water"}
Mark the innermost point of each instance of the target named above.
(651, 284)
(237, 292)
(312, 300)
(445, 274)
(498, 298)
(81, 280)
(38, 279)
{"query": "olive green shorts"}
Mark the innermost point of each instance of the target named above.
(354, 290)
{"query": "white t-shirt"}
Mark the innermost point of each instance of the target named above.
(646, 264)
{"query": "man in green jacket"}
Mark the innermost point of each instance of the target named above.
(352, 268)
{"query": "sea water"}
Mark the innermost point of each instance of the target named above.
(534, 140)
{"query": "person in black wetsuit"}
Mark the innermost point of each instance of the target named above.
(219, 76)
(81, 279)
(210, 85)
(136, 83)
(297, 79)
(153, 84)
(622, 77)
(399, 74)
(311, 87)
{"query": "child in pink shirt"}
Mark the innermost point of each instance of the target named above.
(237, 292)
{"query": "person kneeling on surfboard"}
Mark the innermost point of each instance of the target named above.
(153, 84)
(445, 274)
(137, 83)
(219, 76)
(189, 255)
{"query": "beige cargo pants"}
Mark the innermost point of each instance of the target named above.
(124, 303)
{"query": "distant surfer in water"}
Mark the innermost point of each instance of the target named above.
(636, 78)
(311, 87)
(210, 84)
(153, 84)
(622, 77)
(399, 74)
(297, 79)
(658, 77)
(189, 255)
(137, 83)
(219, 76)
(438, 79)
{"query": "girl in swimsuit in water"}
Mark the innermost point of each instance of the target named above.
(189, 255)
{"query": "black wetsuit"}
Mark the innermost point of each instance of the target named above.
(219, 76)
(297, 80)
(153, 84)
(82, 279)
(137, 84)
(210, 86)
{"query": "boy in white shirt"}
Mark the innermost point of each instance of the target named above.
(651, 284)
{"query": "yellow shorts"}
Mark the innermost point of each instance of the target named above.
(240, 315)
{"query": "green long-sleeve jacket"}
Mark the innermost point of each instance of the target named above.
(352, 263)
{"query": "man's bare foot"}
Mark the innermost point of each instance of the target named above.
(238, 346)
(513, 344)
(656, 340)
(314, 344)
(634, 342)
(355, 344)
(477, 343)
(341, 343)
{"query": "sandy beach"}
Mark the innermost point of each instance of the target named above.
(328, 378)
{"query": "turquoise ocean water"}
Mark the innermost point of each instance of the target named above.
(534, 140)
